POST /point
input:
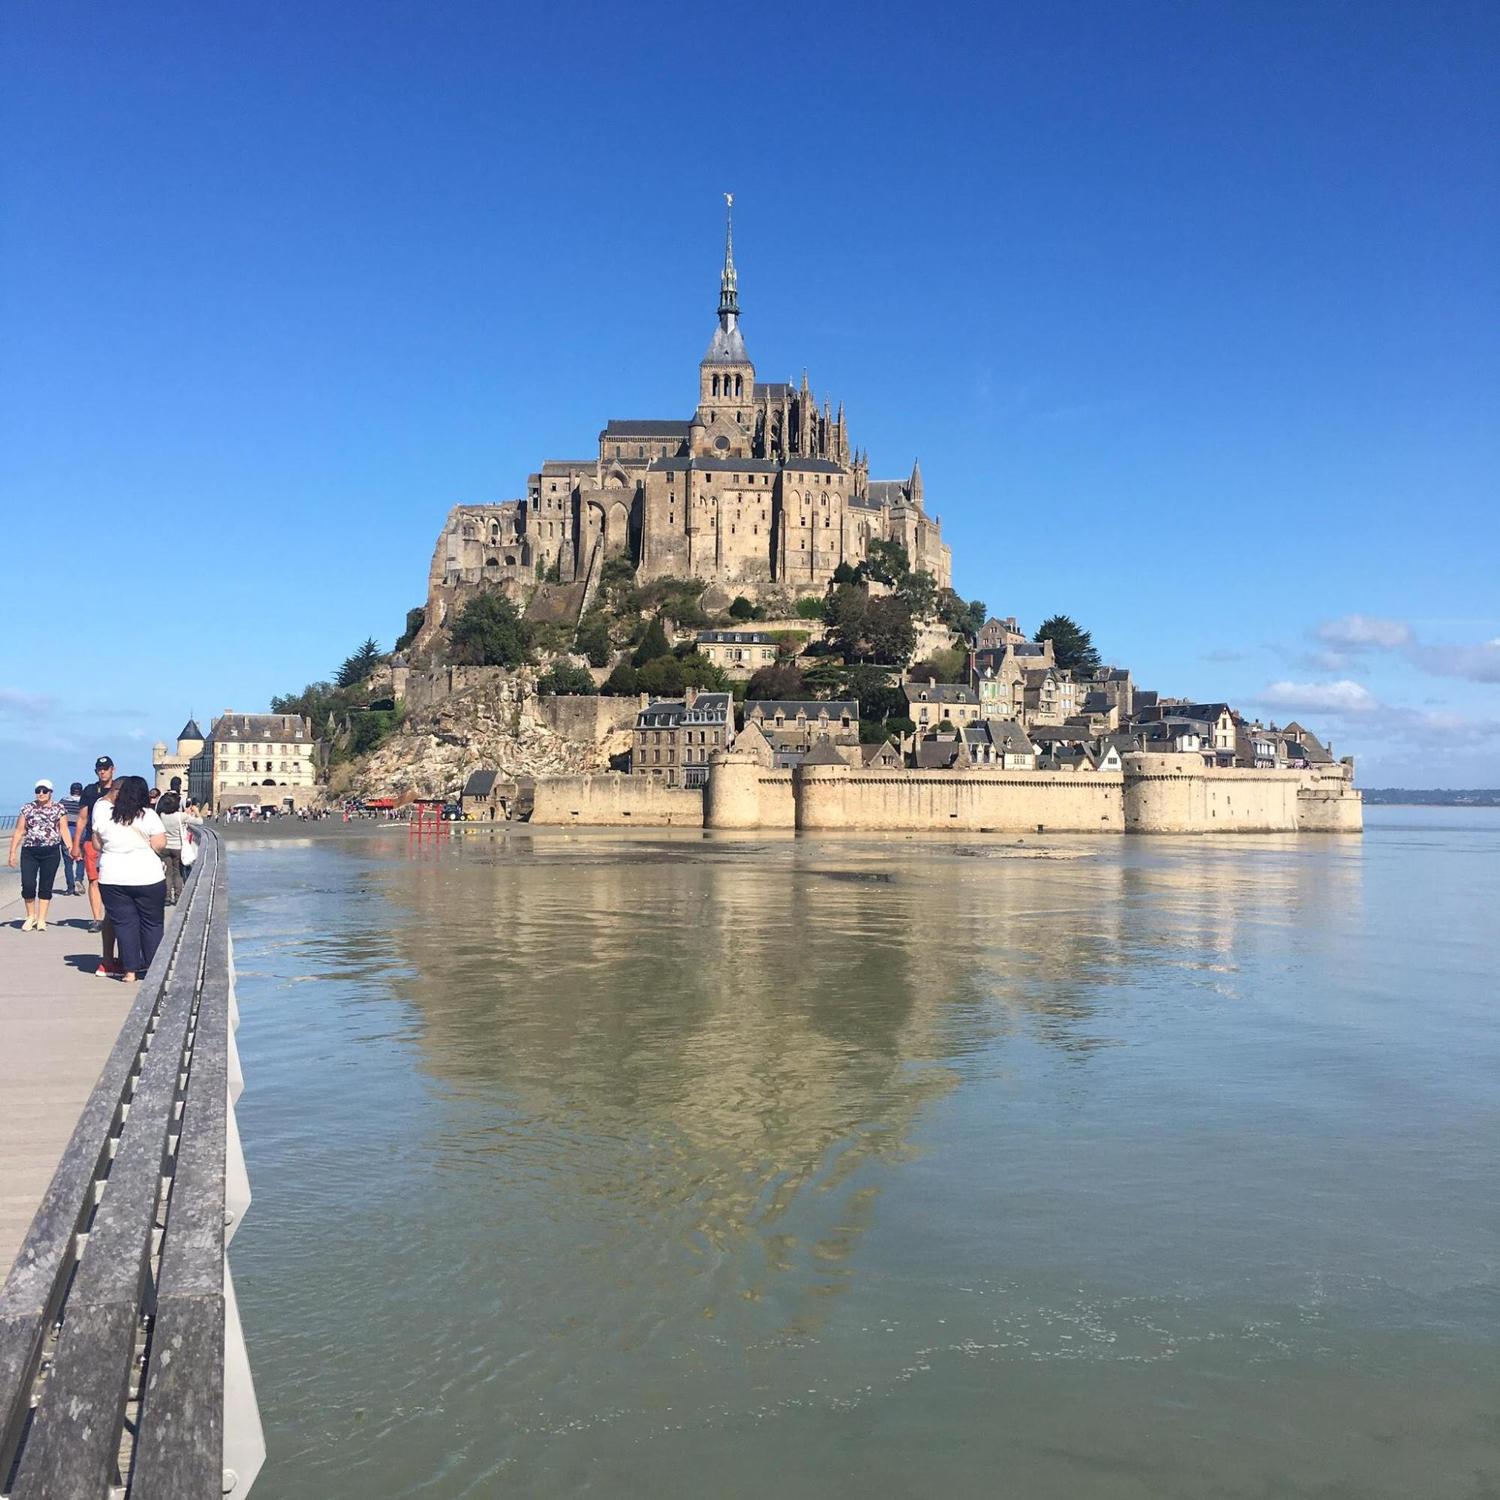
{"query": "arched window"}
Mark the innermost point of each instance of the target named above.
(739, 385)
(716, 385)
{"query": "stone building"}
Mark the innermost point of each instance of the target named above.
(265, 760)
(738, 653)
(759, 488)
(783, 733)
(674, 737)
(168, 765)
(931, 703)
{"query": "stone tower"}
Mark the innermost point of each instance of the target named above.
(724, 422)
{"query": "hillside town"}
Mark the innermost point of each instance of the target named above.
(730, 581)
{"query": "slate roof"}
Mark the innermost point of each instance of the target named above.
(869, 754)
(190, 731)
(480, 783)
(647, 427)
(937, 755)
(775, 389)
(823, 754)
(813, 466)
(768, 708)
(1005, 735)
(669, 713)
(274, 728)
(737, 637)
(727, 347)
(887, 491)
(940, 692)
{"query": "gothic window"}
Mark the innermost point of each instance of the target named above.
(738, 388)
(716, 385)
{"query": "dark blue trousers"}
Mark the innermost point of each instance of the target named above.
(138, 913)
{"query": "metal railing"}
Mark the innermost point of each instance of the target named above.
(122, 1365)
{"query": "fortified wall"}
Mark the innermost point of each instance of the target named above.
(1153, 794)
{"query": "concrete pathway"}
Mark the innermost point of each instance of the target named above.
(58, 1021)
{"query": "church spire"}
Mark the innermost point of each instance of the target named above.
(729, 299)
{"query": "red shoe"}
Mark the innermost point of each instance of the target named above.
(108, 971)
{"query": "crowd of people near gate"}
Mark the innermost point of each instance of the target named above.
(123, 844)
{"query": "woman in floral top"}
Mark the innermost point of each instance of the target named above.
(40, 831)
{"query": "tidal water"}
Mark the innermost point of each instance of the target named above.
(663, 1164)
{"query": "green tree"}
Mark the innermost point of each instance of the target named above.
(415, 620)
(890, 635)
(878, 698)
(554, 573)
(844, 573)
(370, 727)
(943, 666)
(699, 672)
(743, 609)
(563, 679)
(623, 682)
(593, 639)
(920, 591)
(653, 644)
(662, 677)
(886, 562)
(810, 608)
(782, 680)
(359, 666)
(1072, 646)
(489, 632)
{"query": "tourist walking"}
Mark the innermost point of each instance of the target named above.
(104, 777)
(130, 838)
(41, 828)
(174, 820)
(73, 871)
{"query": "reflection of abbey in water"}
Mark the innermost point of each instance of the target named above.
(735, 1041)
(758, 487)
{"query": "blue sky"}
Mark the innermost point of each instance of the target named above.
(1188, 310)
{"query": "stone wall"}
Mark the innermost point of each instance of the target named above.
(611, 800)
(588, 720)
(1176, 794)
(1161, 794)
(834, 798)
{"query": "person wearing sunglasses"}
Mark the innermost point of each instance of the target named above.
(37, 839)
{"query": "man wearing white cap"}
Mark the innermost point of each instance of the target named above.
(41, 827)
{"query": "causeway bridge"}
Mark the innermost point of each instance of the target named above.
(123, 1370)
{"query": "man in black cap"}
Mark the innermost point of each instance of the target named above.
(104, 771)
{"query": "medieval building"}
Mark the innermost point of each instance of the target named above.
(759, 488)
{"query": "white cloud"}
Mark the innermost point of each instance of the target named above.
(1475, 663)
(1365, 633)
(1341, 696)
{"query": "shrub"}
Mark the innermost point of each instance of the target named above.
(653, 644)
(622, 682)
(489, 632)
(743, 609)
(563, 679)
(810, 609)
(592, 639)
(780, 681)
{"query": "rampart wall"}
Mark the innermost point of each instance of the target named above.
(830, 798)
(610, 800)
(1162, 794)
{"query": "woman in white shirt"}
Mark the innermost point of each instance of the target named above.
(132, 883)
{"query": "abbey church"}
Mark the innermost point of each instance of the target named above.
(758, 489)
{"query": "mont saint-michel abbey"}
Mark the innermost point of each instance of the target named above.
(759, 488)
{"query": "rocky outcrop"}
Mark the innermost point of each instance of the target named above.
(493, 721)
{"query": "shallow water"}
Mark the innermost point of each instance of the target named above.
(671, 1164)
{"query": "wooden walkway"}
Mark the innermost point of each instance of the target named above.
(58, 1021)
